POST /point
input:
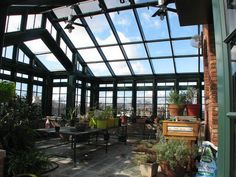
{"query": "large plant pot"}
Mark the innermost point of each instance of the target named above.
(102, 123)
(110, 122)
(116, 122)
(193, 109)
(176, 110)
(148, 169)
(177, 172)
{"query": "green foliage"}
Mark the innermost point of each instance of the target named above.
(7, 91)
(145, 152)
(175, 153)
(16, 122)
(107, 113)
(191, 95)
(31, 161)
(176, 98)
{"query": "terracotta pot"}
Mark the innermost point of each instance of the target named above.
(193, 109)
(176, 110)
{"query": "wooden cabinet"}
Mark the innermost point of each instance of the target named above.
(181, 130)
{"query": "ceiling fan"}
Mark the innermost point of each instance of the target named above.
(162, 11)
(70, 20)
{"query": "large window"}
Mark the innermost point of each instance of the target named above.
(21, 89)
(144, 103)
(105, 99)
(59, 100)
(162, 103)
(124, 101)
(37, 94)
(34, 21)
(87, 101)
(78, 98)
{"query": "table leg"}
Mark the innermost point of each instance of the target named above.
(74, 149)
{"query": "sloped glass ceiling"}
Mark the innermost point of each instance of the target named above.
(124, 41)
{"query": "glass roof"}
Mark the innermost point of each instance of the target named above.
(118, 40)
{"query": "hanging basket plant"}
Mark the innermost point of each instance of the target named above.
(7, 91)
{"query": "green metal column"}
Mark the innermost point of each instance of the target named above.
(70, 100)
(94, 98)
(114, 101)
(3, 14)
(154, 98)
(47, 96)
(134, 96)
(223, 89)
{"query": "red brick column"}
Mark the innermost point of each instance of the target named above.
(210, 79)
(2, 157)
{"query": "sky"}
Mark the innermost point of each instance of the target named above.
(127, 29)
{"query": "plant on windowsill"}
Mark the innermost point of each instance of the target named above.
(192, 107)
(176, 103)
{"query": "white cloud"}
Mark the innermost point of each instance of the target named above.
(123, 22)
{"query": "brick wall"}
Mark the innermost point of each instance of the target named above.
(210, 78)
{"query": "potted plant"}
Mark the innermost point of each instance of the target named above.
(71, 115)
(28, 163)
(145, 157)
(192, 107)
(174, 157)
(176, 103)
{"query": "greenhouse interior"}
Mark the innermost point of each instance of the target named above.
(117, 88)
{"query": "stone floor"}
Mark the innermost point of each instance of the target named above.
(93, 161)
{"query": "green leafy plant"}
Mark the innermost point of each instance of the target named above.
(176, 98)
(71, 115)
(176, 153)
(7, 91)
(145, 152)
(32, 161)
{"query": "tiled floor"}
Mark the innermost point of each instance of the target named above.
(94, 162)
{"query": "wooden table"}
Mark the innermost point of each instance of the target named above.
(71, 131)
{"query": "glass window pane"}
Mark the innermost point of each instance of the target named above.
(89, 6)
(126, 26)
(163, 66)
(186, 65)
(112, 4)
(141, 67)
(159, 49)
(183, 47)
(90, 55)
(14, 22)
(101, 29)
(112, 53)
(128, 94)
(37, 46)
(153, 27)
(99, 69)
(79, 37)
(51, 62)
(116, 66)
(135, 51)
